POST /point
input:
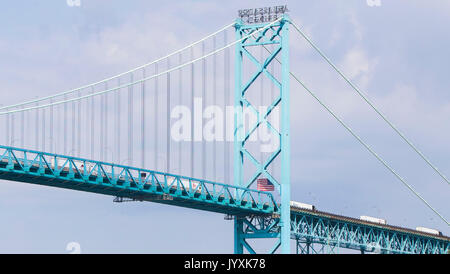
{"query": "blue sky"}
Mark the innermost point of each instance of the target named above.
(397, 53)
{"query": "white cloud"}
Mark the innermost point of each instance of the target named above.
(358, 66)
(357, 27)
(406, 106)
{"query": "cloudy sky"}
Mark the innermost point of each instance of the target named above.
(396, 52)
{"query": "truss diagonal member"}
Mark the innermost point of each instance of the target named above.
(275, 247)
(248, 247)
(261, 169)
(260, 119)
(262, 68)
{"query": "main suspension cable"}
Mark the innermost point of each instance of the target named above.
(118, 75)
(370, 103)
(146, 78)
(381, 160)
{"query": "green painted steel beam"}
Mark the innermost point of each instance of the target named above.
(141, 184)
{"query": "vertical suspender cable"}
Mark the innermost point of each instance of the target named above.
(102, 121)
(203, 111)
(11, 141)
(37, 127)
(93, 118)
(43, 129)
(155, 107)
(226, 94)
(79, 126)
(65, 127)
(73, 128)
(168, 119)
(192, 113)
(57, 119)
(105, 124)
(7, 128)
(12, 129)
(28, 129)
(214, 103)
(180, 80)
(22, 129)
(87, 117)
(143, 121)
(52, 148)
(118, 122)
(8, 137)
(130, 121)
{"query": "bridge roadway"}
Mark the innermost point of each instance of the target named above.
(135, 183)
(308, 227)
(317, 227)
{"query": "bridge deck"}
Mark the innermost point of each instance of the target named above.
(356, 221)
(123, 181)
(145, 185)
(315, 226)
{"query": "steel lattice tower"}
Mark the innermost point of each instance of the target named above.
(275, 226)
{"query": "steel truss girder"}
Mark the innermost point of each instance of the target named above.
(310, 247)
(135, 183)
(256, 227)
(277, 35)
(312, 230)
(323, 234)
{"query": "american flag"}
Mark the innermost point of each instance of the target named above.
(264, 184)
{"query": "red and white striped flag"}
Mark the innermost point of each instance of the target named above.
(264, 184)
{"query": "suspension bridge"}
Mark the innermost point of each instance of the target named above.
(115, 137)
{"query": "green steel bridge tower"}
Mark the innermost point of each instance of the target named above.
(278, 225)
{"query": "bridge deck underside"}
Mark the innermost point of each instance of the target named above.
(171, 196)
(307, 226)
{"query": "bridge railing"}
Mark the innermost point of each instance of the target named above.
(136, 180)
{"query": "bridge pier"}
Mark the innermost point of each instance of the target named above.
(238, 230)
(303, 247)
